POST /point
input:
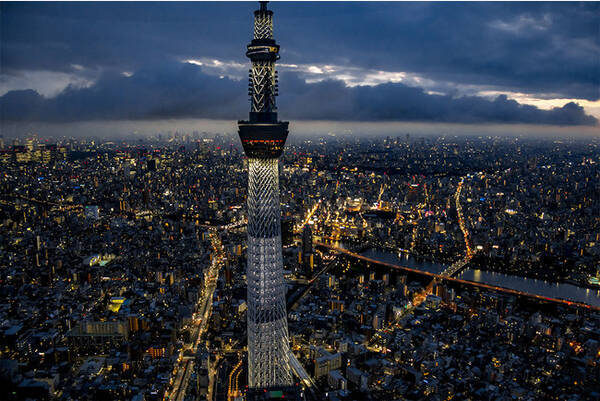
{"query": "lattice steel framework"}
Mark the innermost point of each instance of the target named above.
(267, 316)
(263, 138)
(263, 86)
(263, 25)
(263, 76)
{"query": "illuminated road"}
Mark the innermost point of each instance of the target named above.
(232, 389)
(310, 214)
(183, 375)
(185, 365)
(458, 265)
(237, 381)
(409, 308)
(60, 206)
(214, 369)
(311, 284)
(461, 221)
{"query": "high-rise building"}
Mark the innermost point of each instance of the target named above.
(287, 231)
(306, 239)
(263, 138)
(307, 251)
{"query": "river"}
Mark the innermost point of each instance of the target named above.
(538, 287)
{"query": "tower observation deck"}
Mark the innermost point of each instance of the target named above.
(262, 135)
(263, 138)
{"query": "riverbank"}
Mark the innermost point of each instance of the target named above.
(545, 288)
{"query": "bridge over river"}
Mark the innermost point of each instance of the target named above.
(589, 299)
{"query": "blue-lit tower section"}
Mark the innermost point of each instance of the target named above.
(263, 138)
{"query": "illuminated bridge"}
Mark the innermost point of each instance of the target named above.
(441, 277)
(456, 267)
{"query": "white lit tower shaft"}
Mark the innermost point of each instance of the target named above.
(263, 139)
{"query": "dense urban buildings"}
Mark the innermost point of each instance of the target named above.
(124, 267)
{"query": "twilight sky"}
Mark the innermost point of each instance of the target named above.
(475, 64)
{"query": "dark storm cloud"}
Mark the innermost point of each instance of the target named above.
(525, 47)
(171, 90)
(178, 90)
(536, 48)
(396, 102)
(123, 36)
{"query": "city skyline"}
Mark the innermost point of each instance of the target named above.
(487, 67)
(412, 233)
(124, 268)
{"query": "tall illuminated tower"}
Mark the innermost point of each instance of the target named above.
(263, 138)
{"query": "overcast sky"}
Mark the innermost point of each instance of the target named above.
(475, 64)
